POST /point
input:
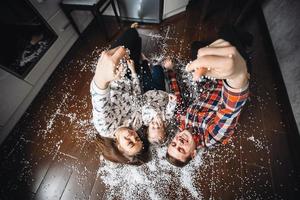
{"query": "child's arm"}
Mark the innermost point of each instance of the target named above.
(176, 91)
(173, 85)
(170, 109)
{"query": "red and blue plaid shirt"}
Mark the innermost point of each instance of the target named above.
(213, 115)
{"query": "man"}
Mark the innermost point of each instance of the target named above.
(212, 117)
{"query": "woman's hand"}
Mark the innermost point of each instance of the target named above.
(131, 66)
(220, 60)
(108, 68)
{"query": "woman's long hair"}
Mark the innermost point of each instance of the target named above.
(110, 151)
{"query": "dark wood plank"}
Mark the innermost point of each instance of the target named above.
(84, 174)
(56, 179)
(257, 182)
(225, 160)
(285, 176)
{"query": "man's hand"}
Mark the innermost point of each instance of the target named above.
(108, 68)
(220, 60)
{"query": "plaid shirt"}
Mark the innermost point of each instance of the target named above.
(213, 115)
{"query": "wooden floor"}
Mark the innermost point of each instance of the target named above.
(50, 154)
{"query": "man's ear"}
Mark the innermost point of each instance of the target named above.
(193, 154)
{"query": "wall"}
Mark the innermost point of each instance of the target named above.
(282, 19)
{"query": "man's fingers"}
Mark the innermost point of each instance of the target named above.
(208, 62)
(199, 72)
(220, 43)
(217, 51)
(217, 42)
(215, 74)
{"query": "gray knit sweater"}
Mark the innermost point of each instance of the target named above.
(122, 104)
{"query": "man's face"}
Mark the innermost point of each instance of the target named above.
(182, 146)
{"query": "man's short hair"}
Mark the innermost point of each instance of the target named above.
(176, 162)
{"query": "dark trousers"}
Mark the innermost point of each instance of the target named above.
(150, 79)
(153, 79)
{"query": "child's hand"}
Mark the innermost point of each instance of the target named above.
(157, 121)
(168, 64)
(172, 98)
(131, 66)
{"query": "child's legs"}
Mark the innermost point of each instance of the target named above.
(158, 78)
(154, 79)
(145, 77)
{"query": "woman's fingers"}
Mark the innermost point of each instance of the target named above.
(118, 54)
(118, 72)
(112, 51)
(129, 62)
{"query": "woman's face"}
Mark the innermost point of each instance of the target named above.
(128, 141)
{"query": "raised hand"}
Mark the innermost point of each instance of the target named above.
(157, 121)
(108, 66)
(220, 60)
(168, 64)
(131, 66)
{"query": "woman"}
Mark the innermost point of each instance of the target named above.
(126, 148)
